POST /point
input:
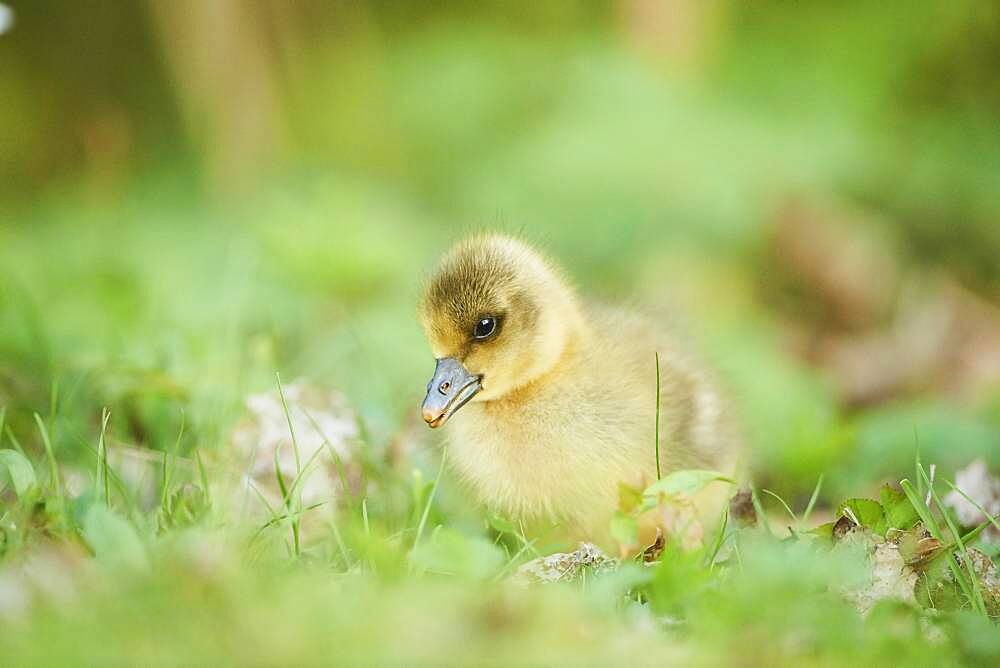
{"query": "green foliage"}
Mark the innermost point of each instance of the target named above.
(688, 482)
(448, 552)
(113, 539)
(19, 470)
(899, 512)
(751, 590)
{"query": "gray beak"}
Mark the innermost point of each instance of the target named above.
(450, 388)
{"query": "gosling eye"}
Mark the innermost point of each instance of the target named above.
(485, 328)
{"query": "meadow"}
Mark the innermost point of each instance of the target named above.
(210, 377)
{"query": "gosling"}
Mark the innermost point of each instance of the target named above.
(551, 401)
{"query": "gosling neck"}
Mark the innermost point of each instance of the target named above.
(559, 334)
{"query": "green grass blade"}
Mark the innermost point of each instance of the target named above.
(812, 500)
(291, 426)
(783, 504)
(974, 533)
(118, 485)
(263, 499)
(203, 474)
(977, 594)
(13, 440)
(922, 510)
(759, 509)
(339, 540)
(290, 502)
(293, 516)
(524, 539)
(50, 455)
(279, 476)
(286, 499)
(169, 466)
(337, 461)
(512, 560)
(720, 538)
(429, 503)
(989, 518)
(103, 483)
(935, 530)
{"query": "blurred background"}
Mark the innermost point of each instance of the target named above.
(194, 195)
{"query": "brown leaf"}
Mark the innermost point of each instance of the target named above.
(842, 527)
(652, 553)
(741, 510)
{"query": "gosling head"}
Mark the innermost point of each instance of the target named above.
(497, 316)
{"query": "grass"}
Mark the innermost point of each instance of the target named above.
(357, 583)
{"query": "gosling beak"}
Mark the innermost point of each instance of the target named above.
(450, 388)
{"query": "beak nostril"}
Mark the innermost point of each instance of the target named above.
(455, 387)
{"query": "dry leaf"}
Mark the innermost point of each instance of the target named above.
(567, 566)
